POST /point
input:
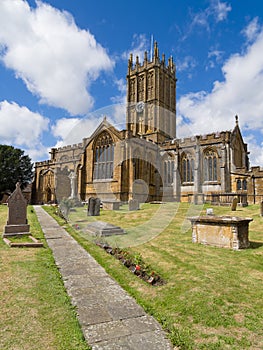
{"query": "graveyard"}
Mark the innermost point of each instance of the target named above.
(35, 309)
(212, 297)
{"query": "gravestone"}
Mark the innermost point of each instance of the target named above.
(198, 198)
(94, 206)
(97, 207)
(111, 205)
(91, 206)
(104, 229)
(261, 208)
(234, 204)
(140, 190)
(134, 204)
(17, 214)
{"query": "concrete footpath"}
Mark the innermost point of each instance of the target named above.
(109, 317)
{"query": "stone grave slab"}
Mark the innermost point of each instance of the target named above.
(102, 229)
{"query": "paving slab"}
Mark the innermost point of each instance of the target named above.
(109, 317)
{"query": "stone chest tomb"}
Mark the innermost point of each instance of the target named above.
(221, 231)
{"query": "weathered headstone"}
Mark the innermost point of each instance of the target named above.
(234, 204)
(91, 206)
(111, 205)
(140, 190)
(261, 208)
(134, 204)
(198, 198)
(97, 207)
(17, 214)
(94, 206)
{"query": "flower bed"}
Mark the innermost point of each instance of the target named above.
(134, 263)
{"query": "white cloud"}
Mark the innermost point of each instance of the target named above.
(64, 126)
(22, 128)
(220, 10)
(121, 86)
(216, 11)
(55, 59)
(139, 45)
(241, 92)
(252, 30)
(188, 63)
(256, 150)
(72, 130)
(38, 152)
(215, 57)
(200, 19)
(19, 125)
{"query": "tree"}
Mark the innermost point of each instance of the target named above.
(14, 167)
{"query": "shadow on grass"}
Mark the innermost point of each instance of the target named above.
(255, 245)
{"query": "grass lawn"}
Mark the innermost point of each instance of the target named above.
(213, 298)
(36, 313)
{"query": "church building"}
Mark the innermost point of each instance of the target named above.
(146, 160)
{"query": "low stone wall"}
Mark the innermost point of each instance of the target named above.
(221, 231)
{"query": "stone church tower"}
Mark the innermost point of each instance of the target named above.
(151, 98)
(147, 160)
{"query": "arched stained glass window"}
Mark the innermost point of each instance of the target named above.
(168, 172)
(103, 157)
(210, 164)
(187, 168)
(245, 185)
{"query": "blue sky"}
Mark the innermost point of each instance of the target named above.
(63, 61)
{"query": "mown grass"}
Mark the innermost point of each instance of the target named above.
(36, 313)
(213, 298)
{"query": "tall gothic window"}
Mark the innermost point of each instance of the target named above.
(239, 184)
(132, 90)
(141, 88)
(168, 172)
(210, 166)
(150, 85)
(245, 184)
(103, 157)
(187, 168)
